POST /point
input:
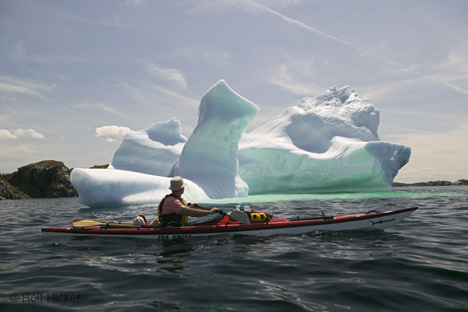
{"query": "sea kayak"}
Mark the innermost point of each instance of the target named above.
(262, 225)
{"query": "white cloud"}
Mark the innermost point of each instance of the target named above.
(279, 3)
(174, 96)
(112, 133)
(17, 86)
(100, 106)
(456, 61)
(30, 133)
(253, 7)
(452, 71)
(164, 98)
(137, 94)
(379, 90)
(200, 54)
(20, 53)
(18, 133)
(286, 77)
(6, 134)
(169, 74)
(136, 3)
(457, 88)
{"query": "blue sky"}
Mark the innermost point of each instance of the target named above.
(68, 68)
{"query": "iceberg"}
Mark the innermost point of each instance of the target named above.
(151, 151)
(209, 157)
(109, 188)
(324, 144)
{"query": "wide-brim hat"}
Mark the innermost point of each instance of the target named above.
(177, 183)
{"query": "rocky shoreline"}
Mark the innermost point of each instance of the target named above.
(51, 179)
(432, 183)
(44, 179)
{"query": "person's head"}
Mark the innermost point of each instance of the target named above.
(177, 185)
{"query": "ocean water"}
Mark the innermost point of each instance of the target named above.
(419, 265)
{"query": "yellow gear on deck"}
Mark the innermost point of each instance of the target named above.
(258, 217)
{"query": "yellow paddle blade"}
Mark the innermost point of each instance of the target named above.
(88, 222)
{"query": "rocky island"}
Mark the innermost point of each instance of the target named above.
(44, 179)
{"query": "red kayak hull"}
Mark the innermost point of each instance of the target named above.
(273, 226)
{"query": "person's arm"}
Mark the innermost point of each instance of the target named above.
(191, 212)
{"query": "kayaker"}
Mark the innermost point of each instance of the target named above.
(173, 209)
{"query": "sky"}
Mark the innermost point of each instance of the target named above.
(75, 76)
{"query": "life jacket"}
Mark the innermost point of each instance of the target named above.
(172, 219)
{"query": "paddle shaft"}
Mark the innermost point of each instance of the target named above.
(240, 216)
(205, 208)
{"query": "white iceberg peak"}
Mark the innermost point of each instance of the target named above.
(322, 144)
(209, 157)
(167, 133)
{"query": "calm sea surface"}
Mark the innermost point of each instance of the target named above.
(419, 265)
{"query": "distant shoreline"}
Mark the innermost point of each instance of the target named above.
(432, 183)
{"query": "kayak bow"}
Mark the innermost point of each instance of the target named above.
(226, 225)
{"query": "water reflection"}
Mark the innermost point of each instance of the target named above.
(173, 258)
